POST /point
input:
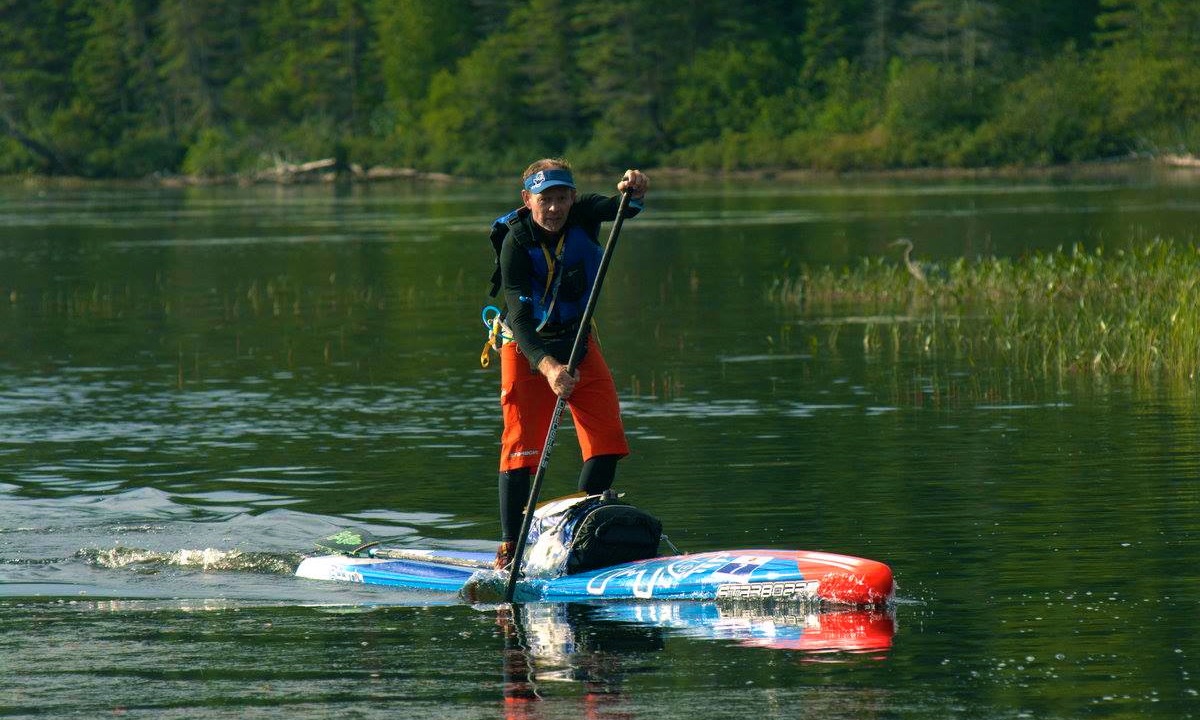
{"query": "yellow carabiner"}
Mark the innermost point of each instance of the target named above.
(494, 342)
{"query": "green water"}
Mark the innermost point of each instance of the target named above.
(196, 383)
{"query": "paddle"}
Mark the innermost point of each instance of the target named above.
(576, 350)
(351, 542)
(362, 544)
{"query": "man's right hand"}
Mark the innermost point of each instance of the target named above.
(560, 381)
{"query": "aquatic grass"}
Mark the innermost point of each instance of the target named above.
(1135, 311)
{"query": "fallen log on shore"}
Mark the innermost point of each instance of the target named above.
(325, 170)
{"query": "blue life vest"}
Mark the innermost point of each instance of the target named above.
(562, 277)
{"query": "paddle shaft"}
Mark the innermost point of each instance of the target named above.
(585, 322)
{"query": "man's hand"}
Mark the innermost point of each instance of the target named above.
(636, 182)
(560, 381)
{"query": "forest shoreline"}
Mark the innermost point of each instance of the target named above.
(324, 171)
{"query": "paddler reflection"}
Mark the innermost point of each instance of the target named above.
(556, 642)
(596, 645)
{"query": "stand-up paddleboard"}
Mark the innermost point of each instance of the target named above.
(734, 574)
(599, 548)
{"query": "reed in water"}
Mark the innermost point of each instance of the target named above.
(1134, 311)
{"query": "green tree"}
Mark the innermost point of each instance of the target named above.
(115, 123)
(202, 48)
(302, 90)
(960, 34)
(551, 82)
(128, 87)
(828, 37)
(416, 39)
(1058, 113)
(471, 122)
(1039, 29)
(724, 90)
(37, 48)
(882, 26)
(629, 52)
(1149, 65)
(1118, 22)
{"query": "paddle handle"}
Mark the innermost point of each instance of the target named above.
(585, 322)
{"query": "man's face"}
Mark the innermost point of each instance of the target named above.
(550, 207)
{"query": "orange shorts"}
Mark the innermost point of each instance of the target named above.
(528, 403)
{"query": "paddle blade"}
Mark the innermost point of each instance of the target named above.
(485, 587)
(354, 543)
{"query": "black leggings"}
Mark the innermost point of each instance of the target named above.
(596, 476)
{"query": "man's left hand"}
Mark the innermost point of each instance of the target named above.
(636, 182)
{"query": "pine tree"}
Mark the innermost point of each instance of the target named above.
(37, 47)
(116, 122)
(307, 64)
(416, 39)
(826, 38)
(203, 46)
(959, 34)
(1117, 22)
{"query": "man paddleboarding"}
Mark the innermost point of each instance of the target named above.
(548, 260)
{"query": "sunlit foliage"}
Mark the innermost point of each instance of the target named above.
(124, 88)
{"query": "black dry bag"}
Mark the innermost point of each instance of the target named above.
(611, 534)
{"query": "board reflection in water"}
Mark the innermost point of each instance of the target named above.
(595, 644)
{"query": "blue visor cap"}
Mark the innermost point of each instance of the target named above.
(544, 179)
